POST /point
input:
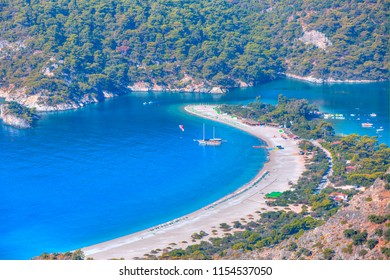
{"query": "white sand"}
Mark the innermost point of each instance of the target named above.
(284, 166)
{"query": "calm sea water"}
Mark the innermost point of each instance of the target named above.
(110, 169)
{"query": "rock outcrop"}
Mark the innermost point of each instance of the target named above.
(41, 102)
(186, 84)
(7, 47)
(13, 119)
(316, 38)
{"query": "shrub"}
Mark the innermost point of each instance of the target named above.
(387, 234)
(377, 219)
(224, 226)
(349, 233)
(379, 232)
(328, 254)
(238, 246)
(348, 249)
(196, 236)
(292, 246)
(319, 245)
(197, 255)
(385, 251)
(305, 252)
(360, 238)
(372, 243)
(78, 255)
(237, 224)
(253, 237)
(362, 252)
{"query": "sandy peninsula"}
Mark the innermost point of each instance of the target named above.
(283, 166)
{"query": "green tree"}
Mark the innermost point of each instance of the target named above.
(328, 253)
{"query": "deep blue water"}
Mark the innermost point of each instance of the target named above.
(110, 169)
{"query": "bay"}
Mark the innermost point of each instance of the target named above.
(117, 167)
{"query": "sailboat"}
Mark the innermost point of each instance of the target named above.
(209, 142)
(215, 139)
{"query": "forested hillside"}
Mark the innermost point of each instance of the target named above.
(71, 51)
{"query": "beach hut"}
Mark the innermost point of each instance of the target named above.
(250, 122)
(273, 124)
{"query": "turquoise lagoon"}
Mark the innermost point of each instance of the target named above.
(114, 168)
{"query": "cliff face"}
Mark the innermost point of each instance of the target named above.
(186, 84)
(192, 87)
(329, 239)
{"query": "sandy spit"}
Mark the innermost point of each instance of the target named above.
(243, 205)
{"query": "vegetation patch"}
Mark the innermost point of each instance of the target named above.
(67, 49)
(273, 195)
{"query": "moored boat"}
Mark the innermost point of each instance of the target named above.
(209, 142)
(367, 124)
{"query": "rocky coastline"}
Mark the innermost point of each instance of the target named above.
(11, 118)
(41, 102)
(329, 80)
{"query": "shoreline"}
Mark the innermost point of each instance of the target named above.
(10, 94)
(320, 81)
(282, 167)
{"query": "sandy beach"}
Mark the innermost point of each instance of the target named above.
(283, 166)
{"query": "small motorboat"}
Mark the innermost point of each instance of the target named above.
(367, 124)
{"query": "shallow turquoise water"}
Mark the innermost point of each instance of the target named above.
(110, 169)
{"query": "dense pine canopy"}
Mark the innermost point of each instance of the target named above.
(93, 45)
